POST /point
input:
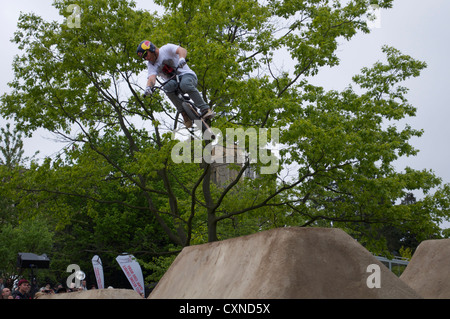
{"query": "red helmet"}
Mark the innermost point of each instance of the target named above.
(144, 47)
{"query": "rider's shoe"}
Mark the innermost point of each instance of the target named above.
(187, 120)
(208, 114)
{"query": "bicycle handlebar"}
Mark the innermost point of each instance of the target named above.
(174, 76)
(162, 84)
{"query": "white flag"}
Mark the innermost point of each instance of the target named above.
(133, 271)
(98, 270)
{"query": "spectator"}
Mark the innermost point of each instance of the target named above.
(72, 288)
(6, 293)
(47, 289)
(23, 290)
(9, 283)
(59, 288)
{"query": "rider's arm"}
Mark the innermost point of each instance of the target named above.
(151, 81)
(182, 53)
(150, 84)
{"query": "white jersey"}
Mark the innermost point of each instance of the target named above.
(167, 58)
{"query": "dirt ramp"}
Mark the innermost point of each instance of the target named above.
(285, 263)
(428, 272)
(96, 294)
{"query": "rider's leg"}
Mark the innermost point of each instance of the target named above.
(188, 84)
(170, 89)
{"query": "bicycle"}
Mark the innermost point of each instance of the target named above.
(188, 106)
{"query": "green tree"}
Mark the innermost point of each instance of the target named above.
(11, 147)
(86, 80)
(31, 236)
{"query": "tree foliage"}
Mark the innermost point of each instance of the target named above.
(11, 147)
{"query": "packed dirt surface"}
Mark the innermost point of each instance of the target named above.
(292, 263)
(96, 294)
(428, 272)
(284, 263)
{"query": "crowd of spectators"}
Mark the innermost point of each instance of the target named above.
(23, 289)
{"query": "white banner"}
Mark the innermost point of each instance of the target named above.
(98, 270)
(133, 271)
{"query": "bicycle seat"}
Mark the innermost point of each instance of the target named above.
(186, 97)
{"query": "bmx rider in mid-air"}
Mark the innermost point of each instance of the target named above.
(164, 62)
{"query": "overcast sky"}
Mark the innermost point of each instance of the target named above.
(415, 27)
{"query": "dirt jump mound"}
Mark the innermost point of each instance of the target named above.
(285, 263)
(428, 272)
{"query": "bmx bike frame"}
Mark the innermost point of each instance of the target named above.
(188, 105)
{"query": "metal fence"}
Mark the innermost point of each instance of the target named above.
(396, 265)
